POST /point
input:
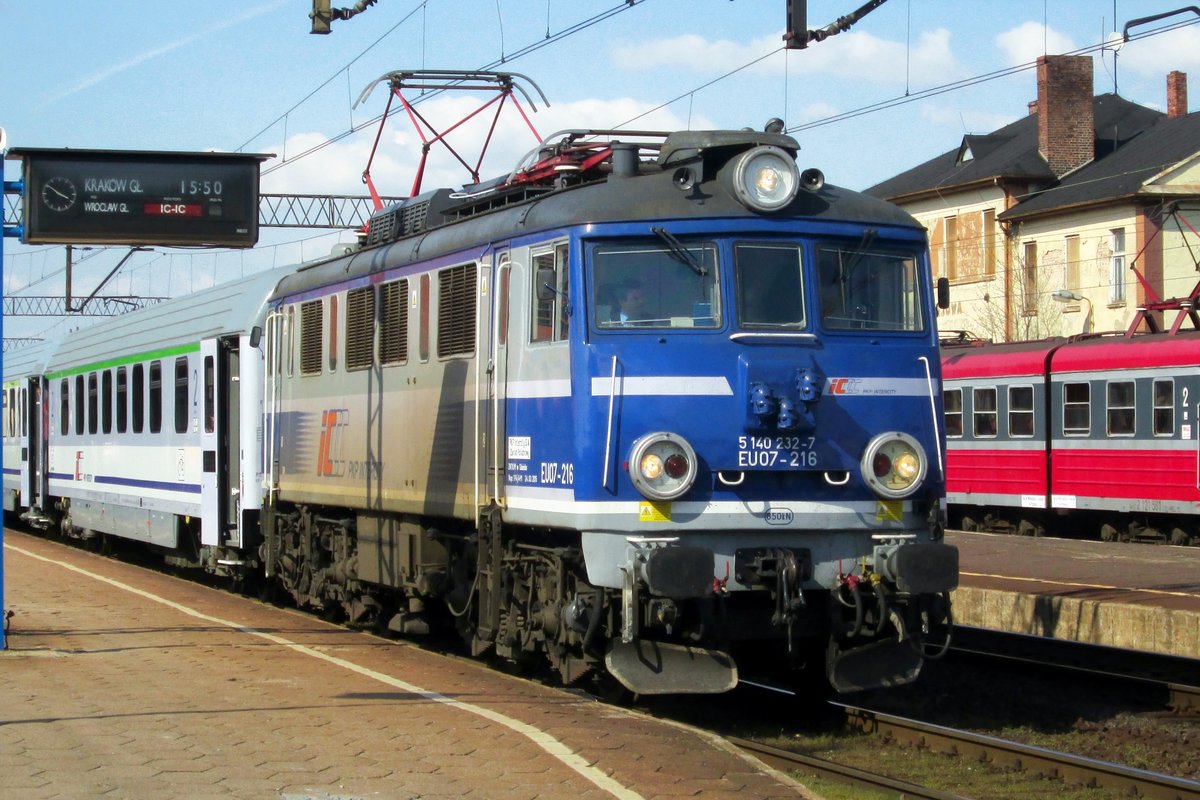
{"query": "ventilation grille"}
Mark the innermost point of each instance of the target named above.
(456, 311)
(360, 328)
(311, 329)
(393, 329)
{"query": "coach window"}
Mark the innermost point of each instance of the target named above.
(983, 412)
(456, 311)
(1164, 407)
(64, 406)
(311, 325)
(1020, 411)
(138, 397)
(122, 400)
(770, 286)
(1121, 416)
(156, 396)
(210, 390)
(393, 323)
(106, 400)
(181, 394)
(550, 296)
(79, 415)
(952, 399)
(8, 410)
(360, 328)
(93, 408)
(1077, 409)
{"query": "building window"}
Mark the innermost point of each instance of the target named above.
(952, 399)
(1116, 266)
(1029, 278)
(1121, 416)
(951, 248)
(1020, 411)
(1164, 407)
(1077, 407)
(989, 242)
(983, 402)
(1072, 262)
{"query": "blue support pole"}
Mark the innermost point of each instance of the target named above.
(7, 231)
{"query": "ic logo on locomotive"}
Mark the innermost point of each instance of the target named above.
(330, 463)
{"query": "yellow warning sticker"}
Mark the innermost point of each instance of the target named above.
(888, 510)
(654, 512)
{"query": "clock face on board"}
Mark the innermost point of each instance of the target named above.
(58, 193)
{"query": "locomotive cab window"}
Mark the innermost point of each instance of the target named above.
(983, 402)
(1020, 411)
(770, 286)
(550, 292)
(867, 290)
(1122, 416)
(1077, 409)
(655, 286)
(1164, 407)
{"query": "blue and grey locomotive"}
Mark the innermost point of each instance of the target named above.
(655, 403)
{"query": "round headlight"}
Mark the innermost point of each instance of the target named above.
(662, 465)
(765, 178)
(894, 465)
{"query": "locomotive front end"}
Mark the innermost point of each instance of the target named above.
(759, 467)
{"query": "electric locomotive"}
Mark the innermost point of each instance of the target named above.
(650, 405)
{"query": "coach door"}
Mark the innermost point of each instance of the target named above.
(34, 410)
(218, 439)
(493, 329)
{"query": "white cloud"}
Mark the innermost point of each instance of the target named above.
(965, 120)
(1024, 43)
(1158, 55)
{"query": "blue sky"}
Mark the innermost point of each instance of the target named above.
(225, 75)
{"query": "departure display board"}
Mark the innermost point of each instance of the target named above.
(140, 198)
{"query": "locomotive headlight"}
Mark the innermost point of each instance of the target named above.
(662, 465)
(765, 178)
(894, 465)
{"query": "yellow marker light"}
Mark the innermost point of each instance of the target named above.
(907, 467)
(652, 466)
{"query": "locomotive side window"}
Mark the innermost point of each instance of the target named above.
(156, 396)
(636, 285)
(393, 329)
(64, 406)
(550, 292)
(181, 394)
(1020, 411)
(952, 399)
(863, 290)
(1121, 411)
(770, 286)
(122, 400)
(79, 415)
(1164, 407)
(106, 400)
(983, 412)
(456, 311)
(1077, 409)
(138, 398)
(360, 328)
(312, 323)
(93, 408)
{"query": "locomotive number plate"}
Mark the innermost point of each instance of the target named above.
(776, 452)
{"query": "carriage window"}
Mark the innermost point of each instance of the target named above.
(122, 400)
(79, 415)
(93, 406)
(550, 314)
(1164, 407)
(181, 395)
(138, 398)
(770, 286)
(210, 391)
(393, 327)
(1020, 411)
(311, 324)
(1121, 417)
(984, 412)
(952, 399)
(8, 412)
(865, 290)
(156, 396)
(360, 328)
(656, 286)
(64, 406)
(106, 400)
(1077, 408)
(456, 311)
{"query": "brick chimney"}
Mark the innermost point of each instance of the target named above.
(1177, 105)
(1066, 119)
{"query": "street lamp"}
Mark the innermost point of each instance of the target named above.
(1067, 296)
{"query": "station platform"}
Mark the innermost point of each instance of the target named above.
(124, 682)
(1135, 596)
